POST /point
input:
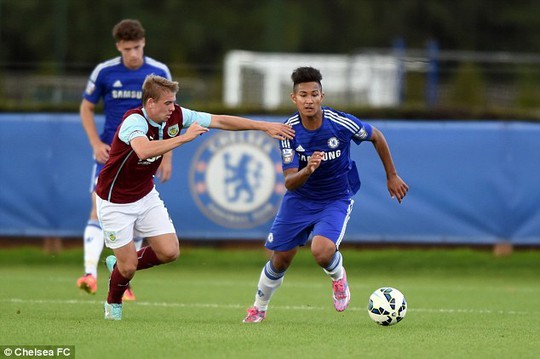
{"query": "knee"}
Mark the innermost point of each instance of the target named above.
(127, 270)
(282, 260)
(174, 255)
(169, 255)
(323, 249)
(321, 259)
(280, 265)
(323, 256)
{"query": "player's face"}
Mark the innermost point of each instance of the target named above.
(132, 53)
(161, 109)
(308, 98)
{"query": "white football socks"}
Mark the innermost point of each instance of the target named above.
(93, 246)
(269, 282)
(335, 268)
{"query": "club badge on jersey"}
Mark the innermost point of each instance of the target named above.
(173, 131)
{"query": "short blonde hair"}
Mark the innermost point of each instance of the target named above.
(155, 85)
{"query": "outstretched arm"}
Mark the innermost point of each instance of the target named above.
(276, 130)
(144, 148)
(396, 186)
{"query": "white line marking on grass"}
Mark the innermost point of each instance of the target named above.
(277, 307)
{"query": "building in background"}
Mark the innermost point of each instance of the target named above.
(263, 79)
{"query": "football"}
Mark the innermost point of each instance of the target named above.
(387, 306)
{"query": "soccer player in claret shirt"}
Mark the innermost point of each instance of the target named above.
(321, 180)
(126, 200)
(118, 82)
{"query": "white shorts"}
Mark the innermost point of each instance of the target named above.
(144, 218)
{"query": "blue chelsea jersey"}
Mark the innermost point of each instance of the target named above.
(120, 88)
(337, 176)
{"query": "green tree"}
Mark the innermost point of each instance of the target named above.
(528, 88)
(468, 87)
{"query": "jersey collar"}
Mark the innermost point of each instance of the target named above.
(152, 122)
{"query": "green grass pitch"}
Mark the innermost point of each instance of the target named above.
(462, 304)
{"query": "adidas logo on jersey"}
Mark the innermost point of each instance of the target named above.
(117, 83)
(300, 149)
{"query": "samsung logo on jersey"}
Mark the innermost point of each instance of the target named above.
(328, 156)
(127, 94)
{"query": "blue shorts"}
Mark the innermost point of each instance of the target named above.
(298, 218)
(95, 174)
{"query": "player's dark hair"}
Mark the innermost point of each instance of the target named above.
(128, 30)
(154, 85)
(306, 74)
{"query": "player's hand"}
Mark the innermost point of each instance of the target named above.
(101, 152)
(164, 171)
(397, 187)
(279, 131)
(194, 131)
(314, 161)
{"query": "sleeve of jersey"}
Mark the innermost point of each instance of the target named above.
(167, 73)
(132, 127)
(289, 159)
(191, 117)
(93, 91)
(364, 132)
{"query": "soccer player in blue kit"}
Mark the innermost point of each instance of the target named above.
(118, 82)
(321, 180)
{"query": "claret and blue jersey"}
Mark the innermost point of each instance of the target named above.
(126, 178)
(120, 88)
(337, 176)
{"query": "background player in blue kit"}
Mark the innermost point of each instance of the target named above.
(321, 180)
(118, 82)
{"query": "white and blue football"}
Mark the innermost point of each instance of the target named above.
(387, 306)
